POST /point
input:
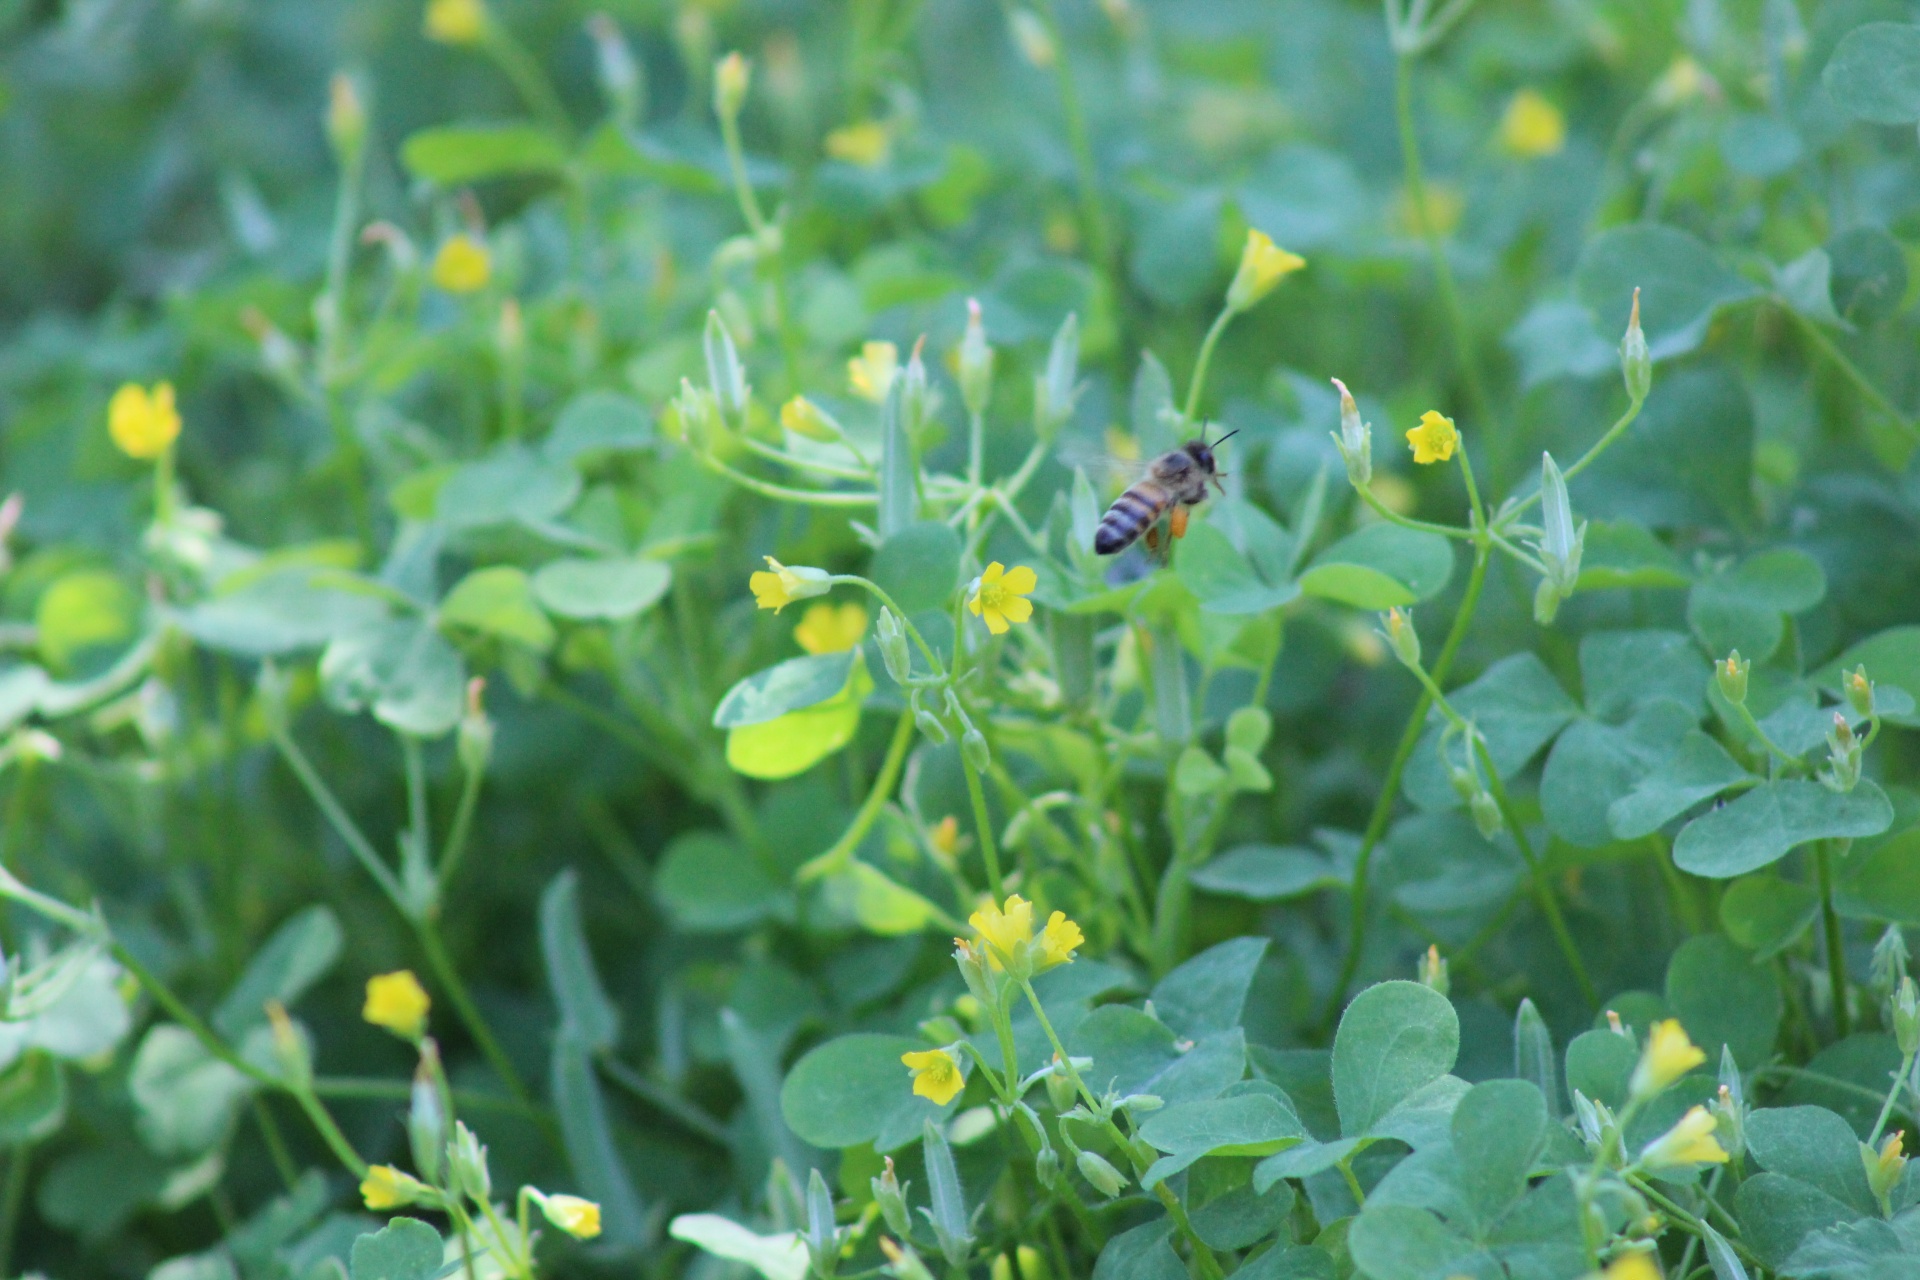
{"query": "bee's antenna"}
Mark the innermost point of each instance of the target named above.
(1223, 439)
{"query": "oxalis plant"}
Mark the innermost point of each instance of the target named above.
(661, 679)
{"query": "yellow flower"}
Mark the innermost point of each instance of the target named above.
(825, 629)
(578, 1218)
(455, 21)
(778, 585)
(945, 839)
(1263, 264)
(1632, 1266)
(1058, 941)
(871, 372)
(805, 418)
(463, 265)
(868, 144)
(397, 1002)
(1000, 598)
(385, 1187)
(1884, 1166)
(143, 423)
(1008, 933)
(1668, 1056)
(1435, 439)
(1690, 1141)
(731, 77)
(1532, 127)
(936, 1075)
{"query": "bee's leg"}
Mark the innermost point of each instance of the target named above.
(1177, 520)
(1153, 540)
(1216, 483)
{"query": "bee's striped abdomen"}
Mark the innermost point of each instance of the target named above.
(1130, 515)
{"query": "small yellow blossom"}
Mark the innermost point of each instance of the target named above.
(1000, 599)
(826, 629)
(945, 839)
(577, 1217)
(1058, 941)
(1532, 127)
(1633, 1266)
(868, 144)
(805, 418)
(397, 1002)
(936, 1075)
(1435, 439)
(1668, 1056)
(143, 423)
(385, 1187)
(870, 373)
(1884, 1166)
(456, 21)
(780, 585)
(1690, 1141)
(1008, 933)
(463, 265)
(1263, 264)
(1684, 79)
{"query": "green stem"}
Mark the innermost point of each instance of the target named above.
(989, 850)
(1388, 514)
(1585, 460)
(462, 827)
(1836, 948)
(1203, 361)
(841, 851)
(529, 81)
(1886, 1108)
(276, 1151)
(1868, 391)
(1086, 171)
(690, 1117)
(1436, 249)
(785, 493)
(1383, 806)
(469, 1013)
(1536, 870)
(338, 818)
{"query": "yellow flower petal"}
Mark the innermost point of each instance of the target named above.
(577, 1217)
(1059, 940)
(936, 1075)
(1532, 127)
(868, 144)
(870, 373)
(462, 265)
(1668, 1056)
(826, 629)
(1016, 609)
(385, 1187)
(1263, 264)
(455, 21)
(143, 423)
(1435, 439)
(397, 1002)
(1020, 580)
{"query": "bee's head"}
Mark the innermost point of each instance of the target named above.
(1202, 452)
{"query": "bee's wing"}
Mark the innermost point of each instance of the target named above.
(1108, 472)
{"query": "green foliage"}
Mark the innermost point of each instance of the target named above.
(615, 661)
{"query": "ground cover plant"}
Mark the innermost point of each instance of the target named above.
(581, 695)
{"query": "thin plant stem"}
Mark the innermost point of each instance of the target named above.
(1383, 806)
(459, 831)
(276, 1150)
(1584, 461)
(689, 1117)
(1536, 870)
(1415, 181)
(1203, 361)
(337, 817)
(529, 81)
(1836, 947)
(1086, 169)
(443, 968)
(841, 851)
(989, 849)
(1852, 372)
(1886, 1108)
(785, 493)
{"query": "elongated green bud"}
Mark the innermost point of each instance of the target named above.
(1636, 365)
(1731, 675)
(891, 636)
(975, 362)
(1100, 1174)
(1355, 440)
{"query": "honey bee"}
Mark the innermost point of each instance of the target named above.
(1175, 482)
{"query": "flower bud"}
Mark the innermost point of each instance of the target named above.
(1889, 963)
(1731, 674)
(975, 363)
(805, 418)
(902, 1261)
(726, 376)
(346, 117)
(1401, 637)
(1859, 691)
(1486, 814)
(468, 1164)
(1433, 971)
(1046, 1168)
(916, 403)
(290, 1048)
(427, 1119)
(1691, 1141)
(973, 745)
(1060, 1089)
(474, 745)
(891, 1196)
(1560, 545)
(1843, 756)
(1036, 43)
(822, 1236)
(1668, 1056)
(1884, 1167)
(1355, 440)
(972, 960)
(1636, 365)
(618, 73)
(1730, 1121)
(1906, 1017)
(1100, 1174)
(731, 76)
(891, 637)
(929, 724)
(1263, 265)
